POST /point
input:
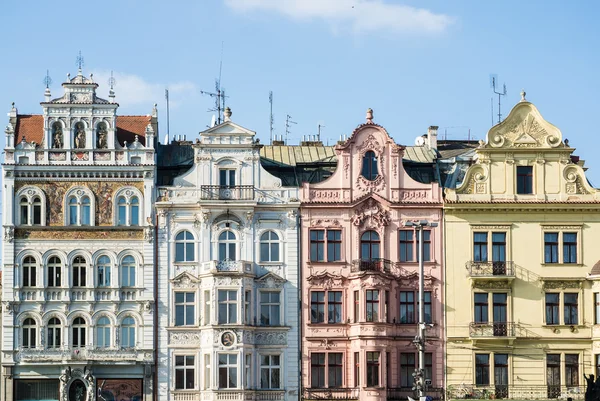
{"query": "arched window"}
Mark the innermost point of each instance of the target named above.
(369, 167)
(135, 211)
(24, 203)
(369, 245)
(37, 211)
(54, 333)
(79, 206)
(103, 332)
(29, 333)
(269, 247)
(128, 333)
(54, 270)
(227, 246)
(30, 210)
(103, 269)
(184, 247)
(78, 332)
(85, 211)
(29, 272)
(128, 272)
(79, 272)
(128, 211)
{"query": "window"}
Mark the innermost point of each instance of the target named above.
(207, 307)
(429, 365)
(270, 308)
(482, 369)
(79, 209)
(553, 375)
(335, 369)
(427, 307)
(406, 245)
(571, 308)
(29, 272)
(372, 305)
(269, 247)
(103, 271)
(373, 369)
(227, 246)
(227, 306)
(227, 177)
(369, 166)
(184, 372)
(481, 307)
(356, 306)
(184, 247)
(524, 179)
(500, 313)
(29, 333)
(185, 303)
(317, 370)
(334, 307)
(499, 247)
(248, 371)
(356, 369)
(24, 206)
(597, 308)
(103, 332)
(334, 245)
(54, 333)
(551, 247)
(369, 245)
(317, 245)
(128, 272)
(426, 246)
(248, 307)
(480, 253)
(552, 308)
(207, 367)
(128, 211)
(572, 370)
(30, 210)
(128, 333)
(79, 268)
(317, 307)
(78, 332)
(569, 247)
(228, 377)
(407, 307)
(54, 269)
(501, 372)
(407, 368)
(270, 372)
(597, 365)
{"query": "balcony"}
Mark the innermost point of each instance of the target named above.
(60, 355)
(516, 392)
(492, 329)
(229, 395)
(227, 266)
(227, 192)
(371, 265)
(310, 394)
(503, 269)
(402, 393)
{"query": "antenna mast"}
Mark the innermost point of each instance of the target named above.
(218, 94)
(47, 79)
(494, 79)
(167, 99)
(319, 131)
(271, 117)
(288, 121)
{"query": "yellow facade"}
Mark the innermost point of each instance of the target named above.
(522, 235)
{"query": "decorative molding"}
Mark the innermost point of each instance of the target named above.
(552, 284)
(492, 284)
(371, 214)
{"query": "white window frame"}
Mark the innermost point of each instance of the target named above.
(127, 194)
(185, 241)
(25, 196)
(30, 329)
(79, 194)
(270, 305)
(80, 327)
(270, 242)
(125, 271)
(561, 230)
(104, 332)
(227, 242)
(106, 281)
(185, 304)
(184, 367)
(561, 306)
(54, 327)
(82, 268)
(31, 267)
(270, 368)
(228, 302)
(54, 268)
(127, 330)
(229, 366)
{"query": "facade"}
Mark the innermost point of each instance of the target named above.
(228, 275)
(360, 273)
(77, 250)
(520, 241)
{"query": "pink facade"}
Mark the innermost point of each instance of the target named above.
(360, 274)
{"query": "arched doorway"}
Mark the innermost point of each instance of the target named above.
(77, 391)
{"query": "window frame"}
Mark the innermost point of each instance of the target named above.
(128, 270)
(103, 272)
(528, 179)
(181, 246)
(270, 368)
(103, 332)
(230, 245)
(561, 307)
(185, 305)
(373, 245)
(29, 333)
(54, 268)
(228, 303)
(561, 230)
(131, 218)
(54, 333)
(184, 368)
(319, 245)
(128, 331)
(76, 198)
(490, 230)
(26, 198)
(270, 244)
(373, 367)
(81, 330)
(482, 370)
(29, 272)
(229, 368)
(270, 305)
(369, 169)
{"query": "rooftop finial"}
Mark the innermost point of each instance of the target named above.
(523, 93)
(369, 115)
(80, 62)
(227, 114)
(47, 79)
(111, 93)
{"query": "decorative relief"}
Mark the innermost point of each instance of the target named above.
(102, 156)
(325, 223)
(492, 227)
(9, 234)
(561, 284)
(83, 156)
(326, 280)
(491, 285)
(362, 184)
(346, 166)
(270, 338)
(372, 214)
(185, 280)
(327, 194)
(370, 143)
(30, 233)
(408, 195)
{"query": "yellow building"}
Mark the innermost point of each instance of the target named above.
(522, 235)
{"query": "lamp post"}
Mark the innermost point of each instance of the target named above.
(419, 341)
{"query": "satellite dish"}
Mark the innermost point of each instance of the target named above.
(419, 141)
(213, 121)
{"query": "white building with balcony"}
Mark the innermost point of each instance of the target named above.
(78, 251)
(228, 276)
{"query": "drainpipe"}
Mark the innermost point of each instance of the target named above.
(300, 321)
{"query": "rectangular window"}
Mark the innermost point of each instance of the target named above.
(553, 375)
(228, 377)
(597, 308)
(248, 371)
(357, 369)
(372, 369)
(227, 178)
(270, 372)
(571, 308)
(356, 306)
(480, 253)
(184, 308)
(406, 245)
(426, 246)
(569, 247)
(501, 371)
(270, 308)
(227, 306)
(206, 385)
(386, 312)
(317, 307)
(334, 245)
(408, 363)
(317, 245)
(552, 308)
(481, 307)
(597, 356)
(248, 307)
(482, 369)
(317, 370)
(429, 365)
(206, 307)
(334, 307)
(54, 275)
(524, 180)
(372, 305)
(572, 370)
(550, 247)
(184, 372)
(335, 369)
(388, 368)
(407, 307)
(499, 247)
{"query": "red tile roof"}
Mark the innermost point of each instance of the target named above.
(30, 126)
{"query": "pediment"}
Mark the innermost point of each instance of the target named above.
(185, 279)
(270, 280)
(228, 128)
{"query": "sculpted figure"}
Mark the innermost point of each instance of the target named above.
(57, 137)
(79, 136)
(102, 141)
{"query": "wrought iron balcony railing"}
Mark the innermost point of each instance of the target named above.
(516, 392)
(402, 393)
(491, 269)
(492, 329)
(372, 265)
(330, 394)
(227, 192)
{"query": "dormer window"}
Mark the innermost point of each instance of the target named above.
(524, 180)
(369, 167)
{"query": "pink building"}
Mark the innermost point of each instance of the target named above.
(360, 273)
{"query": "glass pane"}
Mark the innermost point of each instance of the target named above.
(85, 218)
(122, 215)
(135, 215)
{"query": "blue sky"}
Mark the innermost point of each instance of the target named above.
(416, 63)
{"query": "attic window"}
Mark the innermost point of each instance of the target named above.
(524, 180)
(369, 167)
(136, 160)
(23, 160)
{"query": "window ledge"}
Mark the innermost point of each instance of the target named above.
(279, 263)
(562, 264)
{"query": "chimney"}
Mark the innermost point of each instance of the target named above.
(432, 136)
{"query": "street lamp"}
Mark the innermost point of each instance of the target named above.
(419, 341)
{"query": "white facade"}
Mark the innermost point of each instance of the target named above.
(228, 276)
(78, 250)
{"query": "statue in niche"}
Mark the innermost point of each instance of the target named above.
(79, 136)
(102, 137)
(57, 136)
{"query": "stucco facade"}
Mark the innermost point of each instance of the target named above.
(520, 241)
(360, 274)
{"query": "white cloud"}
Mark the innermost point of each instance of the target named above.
(132, 90)
(360, 16)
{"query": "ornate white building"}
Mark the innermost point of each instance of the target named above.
(78, 250)
(228, 276)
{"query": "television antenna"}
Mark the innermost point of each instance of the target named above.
(218, 94)
(79, 61)
(493, 84)
(112, 81)
(271, 120)
(47, 79)
(319, 131)
(288, 121)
